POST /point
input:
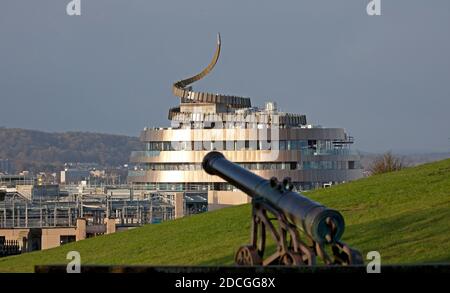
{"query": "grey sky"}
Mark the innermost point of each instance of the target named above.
(386, 79)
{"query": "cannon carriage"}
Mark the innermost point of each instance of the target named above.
(302, 229)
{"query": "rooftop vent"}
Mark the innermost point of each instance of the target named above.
(271, 106)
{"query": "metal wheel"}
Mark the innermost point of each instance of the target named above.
(308, 257)
(355, 257)
(344, 255)
(291, 259)
(247, 255)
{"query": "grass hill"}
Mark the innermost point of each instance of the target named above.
(44, 151)
(404, 215)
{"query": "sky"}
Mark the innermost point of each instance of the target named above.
(385, 79)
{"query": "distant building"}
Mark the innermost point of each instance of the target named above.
(98, 173)
(6, 166)
(39, 192)
(74, 176)
(14, 180)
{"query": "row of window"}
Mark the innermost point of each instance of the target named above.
(181, 123)
(237, 145)
(303, 165)
(162, 186)
(198, 166)
(204, 187)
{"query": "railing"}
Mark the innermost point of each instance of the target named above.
(328, 152)
(96, 229)
(136, 173)
(10, 247)
(145, 153)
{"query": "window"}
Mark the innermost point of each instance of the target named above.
(185, 145)
(302, 144)
(167, 146)
(217, 145)
(230, 145)
(64, 239)
(240, 145)
(312, 144)
(292, 145)
(264, 144)
(198, 145)
(253, 145)
(351, 164)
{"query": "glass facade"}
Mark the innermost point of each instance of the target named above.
(205, 186)
(302, 165)
(317, 146)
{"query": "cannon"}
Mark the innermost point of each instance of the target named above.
(302, 229)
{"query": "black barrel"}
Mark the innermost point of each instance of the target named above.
(311, 217)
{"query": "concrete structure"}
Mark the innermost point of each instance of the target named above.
(218, 199)
(32, 239)
(44, 238)
(39, 192)
(110, 225)
(265, 140)
(74, 176)
(14, 180)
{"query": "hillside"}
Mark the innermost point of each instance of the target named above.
(404, 215)
(43, 151)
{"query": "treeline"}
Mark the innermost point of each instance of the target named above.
(42, 151)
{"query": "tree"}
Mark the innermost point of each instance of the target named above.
(386, 163)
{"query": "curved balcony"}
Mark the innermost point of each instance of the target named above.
(145, 154)
(227, 134)
(197, 156)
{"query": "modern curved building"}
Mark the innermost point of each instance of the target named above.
(264, 140)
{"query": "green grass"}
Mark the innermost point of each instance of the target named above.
(404, 215)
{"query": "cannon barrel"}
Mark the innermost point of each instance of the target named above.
(322, 224)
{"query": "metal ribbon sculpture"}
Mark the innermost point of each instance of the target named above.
(182, 89)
